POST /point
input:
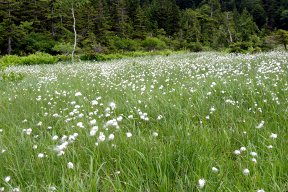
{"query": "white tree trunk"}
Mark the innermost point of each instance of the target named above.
(228, 29)
(9, 50)
(75, 33)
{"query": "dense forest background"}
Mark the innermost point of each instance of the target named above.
(109, 26)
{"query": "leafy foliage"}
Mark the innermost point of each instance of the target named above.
(37, 58)
(103, 26)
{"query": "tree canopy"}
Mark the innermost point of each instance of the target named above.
(57, 26)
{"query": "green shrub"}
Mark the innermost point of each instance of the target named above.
(105, 57)
(9, 60)
(63, 57)
(123, 44)
(99, 57)
(11, 76)
(153, 43)
(37, 58)
(88, 57)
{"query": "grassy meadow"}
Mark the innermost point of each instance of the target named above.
(183, 122)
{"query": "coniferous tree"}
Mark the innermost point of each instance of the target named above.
(141, 23)
(190, 28)
(121, 22)
(166, 14)
(245, 26)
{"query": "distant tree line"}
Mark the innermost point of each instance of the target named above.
(108, 26)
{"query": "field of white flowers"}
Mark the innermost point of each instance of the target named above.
(184, 122)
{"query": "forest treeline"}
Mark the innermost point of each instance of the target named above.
(110, 26)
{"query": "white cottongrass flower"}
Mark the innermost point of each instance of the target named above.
(101, 137)
(112, 123)
(93, 131)
(93, 122)
(7, 179)
(16, 189)
(243, 149)
(253, 154)
(81, 115)
(2, 189)
(159, 117)
(80, 124)
(34, 147)
(112, 105)
(40, 155)
(94, 102)
(56, 115)
(246, 172)
(60, 153)
(52, 188)
(39, 124)
(260, 125)
(55, 137)
(212, 109)
(130, 117)
(120, 118)
(27, 131)
(273, 136)
(70, 165)
(215, 170)
(111, 137)
(269, 146)
(77, 94)
(129, 134)
(254, 160)
(73, 137)
(155, 134)
(201, 183)
(237, 152)
(60, 148)
(63, 138)
(260, 190)
(213, 84)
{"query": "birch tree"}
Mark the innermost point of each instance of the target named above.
(72, 5)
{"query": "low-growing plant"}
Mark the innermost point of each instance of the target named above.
(123, 44)
(37, 58)
(11, 76)
(63, 58)
(153, 43)
(9, 60)
(105, 57)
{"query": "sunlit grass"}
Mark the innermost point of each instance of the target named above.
(185, 122)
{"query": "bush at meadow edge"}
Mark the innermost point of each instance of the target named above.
(37, 58)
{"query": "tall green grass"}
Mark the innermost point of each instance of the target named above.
(200, 109)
